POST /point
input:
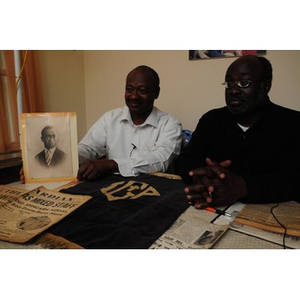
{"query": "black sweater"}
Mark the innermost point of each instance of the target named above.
(267, 155)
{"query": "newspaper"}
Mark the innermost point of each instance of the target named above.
(191, 231)
(25, 214)
(257, 220)
(274, 237)
(260, 216)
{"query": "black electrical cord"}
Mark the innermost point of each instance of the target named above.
(285, 229)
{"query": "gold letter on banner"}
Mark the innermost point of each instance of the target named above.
(130, 190)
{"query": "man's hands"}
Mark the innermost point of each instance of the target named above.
(215, 185)
(91, 169)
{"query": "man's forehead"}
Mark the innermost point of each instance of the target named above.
(139, 75)
(50, 132)
(245, 67)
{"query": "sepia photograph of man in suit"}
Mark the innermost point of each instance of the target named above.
(51, 156)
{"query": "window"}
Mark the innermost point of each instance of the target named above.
(28, 94)
(9, 130)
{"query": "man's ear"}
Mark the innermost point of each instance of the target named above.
(157, 92)
(267, 86)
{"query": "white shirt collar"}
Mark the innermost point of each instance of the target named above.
(151, 120)
(244, 128)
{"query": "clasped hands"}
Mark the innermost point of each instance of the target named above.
(215, 185)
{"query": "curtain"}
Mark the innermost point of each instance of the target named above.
(9, 139)
(31, 83)
(31, 94)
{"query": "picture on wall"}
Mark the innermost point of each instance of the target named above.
(49, 146)
(207, 54)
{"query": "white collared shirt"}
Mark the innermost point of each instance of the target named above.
(146, 148)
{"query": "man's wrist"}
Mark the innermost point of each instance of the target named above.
(112, 166)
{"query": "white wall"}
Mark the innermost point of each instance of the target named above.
(91, 82)
(62, 74)
(188, 88)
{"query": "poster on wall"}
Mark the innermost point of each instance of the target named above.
(49, 146)
(208, 54)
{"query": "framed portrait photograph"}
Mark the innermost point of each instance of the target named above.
(206, 54)
(49, 146)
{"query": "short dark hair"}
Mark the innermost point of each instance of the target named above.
(45, 129)
(152, 72)
(267, 71)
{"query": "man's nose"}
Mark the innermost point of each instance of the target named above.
(234, 90)
(134, 94)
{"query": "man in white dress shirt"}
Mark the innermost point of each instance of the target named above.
(134, 139)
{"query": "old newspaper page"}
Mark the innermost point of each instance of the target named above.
(25, 214)
(257, 220)
(260, 216)
(192, 230)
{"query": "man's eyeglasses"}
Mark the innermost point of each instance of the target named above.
(240, 83)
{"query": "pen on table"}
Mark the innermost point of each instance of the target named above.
(218, 211)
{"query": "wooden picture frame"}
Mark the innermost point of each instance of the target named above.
(56, 131)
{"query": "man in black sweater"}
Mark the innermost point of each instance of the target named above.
(247, 151)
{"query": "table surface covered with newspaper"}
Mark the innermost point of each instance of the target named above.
(25, 214)
(194, 229)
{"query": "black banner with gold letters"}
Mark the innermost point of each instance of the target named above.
(124, 213)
